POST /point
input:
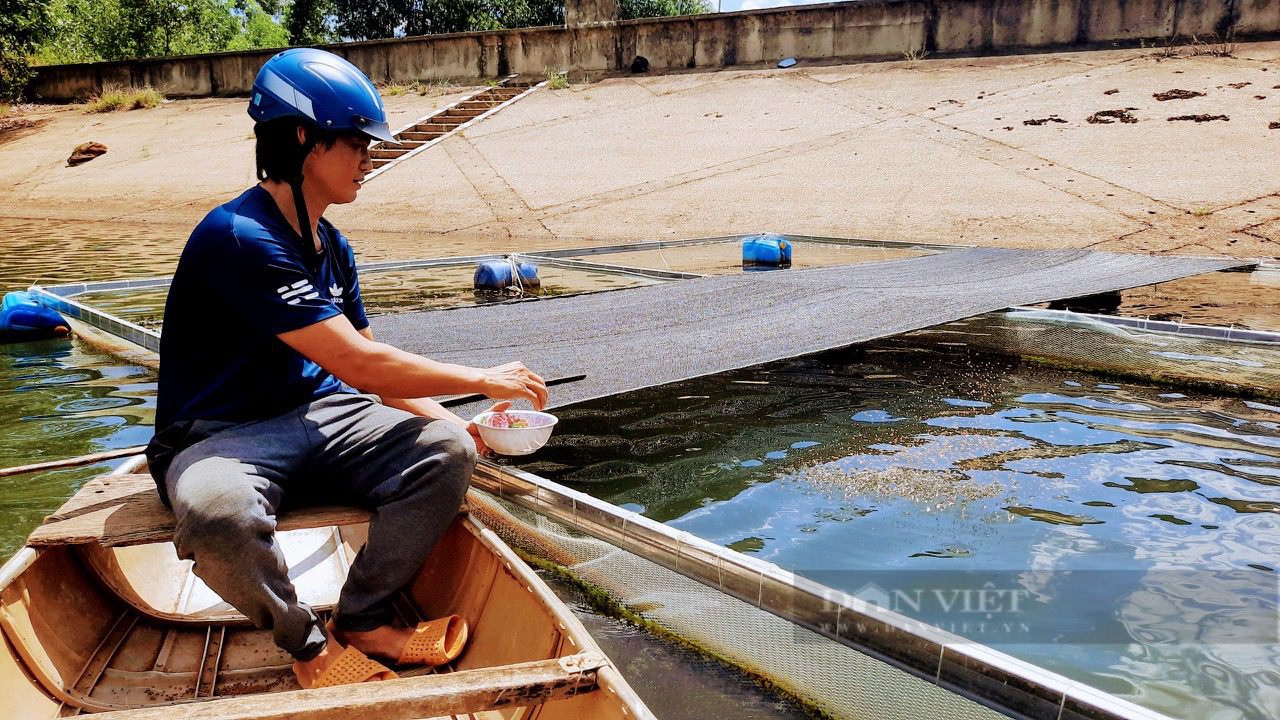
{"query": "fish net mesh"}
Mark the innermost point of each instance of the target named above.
(1084, 342)
(821, 673)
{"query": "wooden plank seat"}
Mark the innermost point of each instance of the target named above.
(430, 696)
(127, 633)
(120, 510)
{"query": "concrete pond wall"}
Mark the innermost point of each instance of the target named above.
(857, 30)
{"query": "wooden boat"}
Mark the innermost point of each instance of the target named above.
(100, 616)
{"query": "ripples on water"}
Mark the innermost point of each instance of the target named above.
(53, 252)
(59, 400)
(1140, 524)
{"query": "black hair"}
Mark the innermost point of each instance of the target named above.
(279, 154)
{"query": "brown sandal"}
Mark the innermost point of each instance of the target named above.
(436, 642)
(350, 667)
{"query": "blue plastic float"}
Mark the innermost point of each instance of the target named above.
(495, 275)
(766, 250)
(22, 318)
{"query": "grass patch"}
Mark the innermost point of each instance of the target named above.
(437, 87)
(556, 79)
(1214, 46)
(914, 55)
(114, 98)
(1162, 48)
(1201, 210)
(5, 110)
(418, 87)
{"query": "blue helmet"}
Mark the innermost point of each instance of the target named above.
(322, 88)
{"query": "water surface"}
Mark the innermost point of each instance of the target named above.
(61, 399)
(1138, 527)
(392, 291)
(1139, 523)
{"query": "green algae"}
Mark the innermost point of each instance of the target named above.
(601, 602)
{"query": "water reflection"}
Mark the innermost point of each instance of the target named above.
(388, 292)
(1139, 525)
(59, 399)
(51, 252)
(55, 252)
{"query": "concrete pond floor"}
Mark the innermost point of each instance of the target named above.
(991, 151)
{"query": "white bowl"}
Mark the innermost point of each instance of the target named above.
(516, 441)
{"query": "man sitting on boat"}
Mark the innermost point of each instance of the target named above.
(273, 391)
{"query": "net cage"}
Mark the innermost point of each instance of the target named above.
(1245, 362)
(822, 648)
(823, 675)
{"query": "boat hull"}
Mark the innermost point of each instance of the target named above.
(106, 630)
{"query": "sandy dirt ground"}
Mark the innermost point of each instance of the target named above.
(990, 151)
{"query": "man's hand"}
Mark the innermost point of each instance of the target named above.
(481, 449)
(514, 381)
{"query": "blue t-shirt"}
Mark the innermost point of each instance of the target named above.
(245, 277)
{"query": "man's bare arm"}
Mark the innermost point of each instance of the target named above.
(378, 368)
(425, 406)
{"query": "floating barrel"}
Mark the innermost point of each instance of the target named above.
(766, 249)
(22, 318)
(495, 275)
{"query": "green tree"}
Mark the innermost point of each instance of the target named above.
(634, 9)
(71, 36)
(307, 22)
(23, 25)
(259, 30)
(372, 19)
(157, 28)
(425, 17)
(368, 19)
(91, 30)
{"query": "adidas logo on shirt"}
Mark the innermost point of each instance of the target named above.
(297, 292)
(335, 292)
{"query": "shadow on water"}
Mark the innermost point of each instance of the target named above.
(1127, 535)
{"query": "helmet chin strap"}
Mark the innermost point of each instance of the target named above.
(299, 202)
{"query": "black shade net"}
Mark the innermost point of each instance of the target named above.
(641, 337)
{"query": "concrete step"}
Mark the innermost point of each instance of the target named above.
(462, 112)
(432, 127)
(418, 137)
(404, 144)
(441, 124)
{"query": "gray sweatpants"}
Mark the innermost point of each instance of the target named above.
(344, 449)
